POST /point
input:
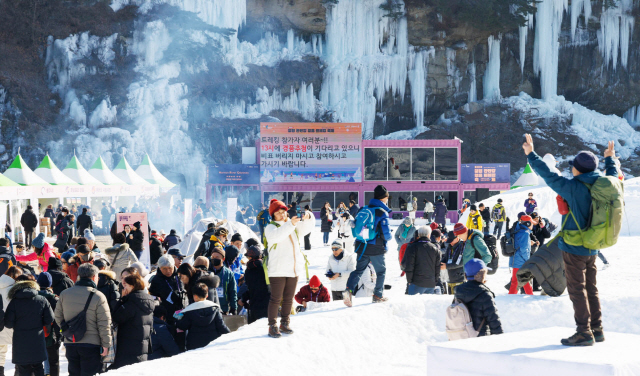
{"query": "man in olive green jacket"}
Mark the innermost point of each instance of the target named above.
(84, 356)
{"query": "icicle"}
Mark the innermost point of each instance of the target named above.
(577, 7)
(473, 90)
(546, 45)
(616, 26)
(491, 79)
(524, 32)
(419, 62)
(633, 115)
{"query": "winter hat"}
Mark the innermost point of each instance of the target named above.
(500, 201)
(141, 268)
(450, 237)
(137, 225)
(38, 242)
(526, 220)
(459, 229)
(276, 205)
(89, 235)
(54, 263)
(253, 252)
(231, 253)
(407, 221)
(81, 241)
(251, 242)
(315, 281)
(220, 251)
(83, 249)
(436, 234)
(473, 207)
(424, 232)
(68, 254)
(236, 237)
(473, 266)
(336, 245)
(380, 192)
(44, 280)
(433, 226)
(585, 162)
(101, 263)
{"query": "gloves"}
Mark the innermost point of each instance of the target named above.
(300, 309)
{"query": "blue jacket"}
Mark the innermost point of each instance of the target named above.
(575, 193)
(523, 246)
(440, 212)
(229, 297)
(378, 246)
(162, 342)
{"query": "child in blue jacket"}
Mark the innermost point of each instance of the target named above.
(523, 252)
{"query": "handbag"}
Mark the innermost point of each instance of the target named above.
(111, 355)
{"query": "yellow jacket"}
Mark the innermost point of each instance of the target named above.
(474, 222)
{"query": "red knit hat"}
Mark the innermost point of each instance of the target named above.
(526, 218)
(459, 229)
(314, 281)
(276, 205)
(433, 226)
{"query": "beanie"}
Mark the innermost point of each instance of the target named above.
(38, 242)
(236, 237)
(219, 250)
(336, 245)
(314, 282)
(44, 280)
(54, 263)
(407, 221)
(585, 162)
(433, 226)
(473, 207)
(68, 254)
(459, 229)
(380, 192)
(137, 225)
(473, 266)
(276, 205)
(89, 235)
(436, 233)
(253, 252)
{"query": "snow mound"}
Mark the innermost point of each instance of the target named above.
(540, 350)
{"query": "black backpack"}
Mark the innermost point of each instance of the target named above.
(507, 243)
(74, 329)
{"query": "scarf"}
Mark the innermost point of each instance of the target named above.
(406, 231)
(340, 256)
(86, 282)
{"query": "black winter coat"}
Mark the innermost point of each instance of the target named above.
(162, 341)
(547, 267)
(155, 250)
(55, 336)
(109, 287)
(542, 234)
(136, 243)
(83, 222)
(60, 281)
(29, 220)
(293, 211)
(258, 294)
(170, 241)
(486, 216)
(421, 263)
(27, 314)
(169, 289)
(324, 216)
(203, 323)
(453, 260)
(481, 304)
(7, 259)
(134, 317)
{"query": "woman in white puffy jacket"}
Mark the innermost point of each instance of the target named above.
(367, 283)
(339, 268)
(285, 262)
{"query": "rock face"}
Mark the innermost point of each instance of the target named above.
(170, 78)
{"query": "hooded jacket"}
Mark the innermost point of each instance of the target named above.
(203, 323)
(344, 266)
(155, 250)
(503, 212)
(400, 239)
(547, 267)
(421, 262)
(43, 259)
(6, 282)
(108, 286)
(171, 240)
(474, 221)
(75, 262)
(452, 258)
(575, 193)
(134, 317)
(479, 299)
(162, 341)
(377, 246)
(120, 258)
(475, 243)
(522, 244)
(228, 290)
(29, 220)
(440, 212)
(60, 281)
(27, 314)
(285, 256)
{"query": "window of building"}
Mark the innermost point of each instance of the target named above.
(422, 164)
(300, 198)
(346, 197)
(319, 198)
(399, 164)
(268, 196)
(399, 200)
(421, 196)
(450, 198)
(368, 196)
(375, 164)
(446, 164)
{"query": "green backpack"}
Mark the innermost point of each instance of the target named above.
(607, 204)
(265, 252)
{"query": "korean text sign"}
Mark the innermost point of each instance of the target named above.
(310, 152)
(486, 173)
(123, 219)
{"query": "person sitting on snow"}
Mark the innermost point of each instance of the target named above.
(313, 292)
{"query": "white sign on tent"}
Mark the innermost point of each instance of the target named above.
(232, 208)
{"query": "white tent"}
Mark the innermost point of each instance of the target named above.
(101, 172)
(125, 173)
(527, 179)
(77, 173)
(150, 173)
(20, 173)
(50, 173)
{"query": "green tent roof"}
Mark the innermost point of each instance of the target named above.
(20, 173)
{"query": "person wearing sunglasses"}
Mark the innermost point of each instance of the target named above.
(339, 268)
(530, 205)
(313, 292)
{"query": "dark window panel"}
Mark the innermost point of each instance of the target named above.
(375, 164)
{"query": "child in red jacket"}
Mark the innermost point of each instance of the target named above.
(313, 292)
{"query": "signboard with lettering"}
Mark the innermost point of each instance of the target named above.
(239, 174)
(310, 152)
(485, 173)
(123, 219)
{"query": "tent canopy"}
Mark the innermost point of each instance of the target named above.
(527, 179)
(49, 172)
(150, 173)
(20, 173)
(101, 172)
(125, 173)
(6, 182)
(76, 172)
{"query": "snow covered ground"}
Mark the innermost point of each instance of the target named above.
(392, 338)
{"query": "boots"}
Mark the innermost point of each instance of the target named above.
(598, 334)
(284, 328)
(274, 332)
(377, 299)
(347, 298)
(579, 339)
